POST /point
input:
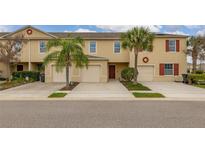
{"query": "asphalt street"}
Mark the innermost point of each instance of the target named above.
(100, 114)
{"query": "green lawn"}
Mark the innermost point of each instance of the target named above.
(200, 86)
(148, 95)
(57, 95)
(131, 86)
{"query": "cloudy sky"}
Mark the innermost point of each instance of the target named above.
(172, 29)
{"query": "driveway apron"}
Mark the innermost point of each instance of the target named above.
(31, 90)
(112, 89)
(177, 90)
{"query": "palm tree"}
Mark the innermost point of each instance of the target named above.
(67, 51)
(137, 39)
(195, 46)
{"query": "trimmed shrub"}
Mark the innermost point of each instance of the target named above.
(195, 78)
(127, 74)
(31, 75)
(199, 72)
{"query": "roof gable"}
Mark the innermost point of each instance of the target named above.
(34, 33)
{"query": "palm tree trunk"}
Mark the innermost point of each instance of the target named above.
(136, 69)
(194, 61)
(67, 76)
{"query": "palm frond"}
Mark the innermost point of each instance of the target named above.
(53, 43)
(51, 57)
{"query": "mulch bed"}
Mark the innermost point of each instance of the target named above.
(71, 87)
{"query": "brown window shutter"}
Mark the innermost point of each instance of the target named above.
(161, 69)
(177, 45)
(167, 45)
(176, 69)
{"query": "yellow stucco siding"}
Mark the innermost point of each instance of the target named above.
(3, 70)
(159, 55)
(35, 34)
(105, 48)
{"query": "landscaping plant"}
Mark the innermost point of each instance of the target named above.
(195, 48)
(127, 74)
(67, 51)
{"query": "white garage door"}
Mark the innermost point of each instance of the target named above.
(90, 74)
(59, 76)
(146, 73)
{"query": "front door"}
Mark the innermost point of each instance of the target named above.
(19, 67)
(111, 71)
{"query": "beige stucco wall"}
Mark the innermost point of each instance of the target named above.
(159, 55)
(25, 67)
(3, 70)
(35, 34)
(76, 72)
(105, 48)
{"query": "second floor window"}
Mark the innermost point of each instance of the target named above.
(172, 45)
(42, 46)
(92, 47)
(17, 47)
(117, 47)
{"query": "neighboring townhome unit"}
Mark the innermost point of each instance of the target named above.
(166, 62)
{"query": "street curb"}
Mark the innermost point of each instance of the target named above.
(100, 99)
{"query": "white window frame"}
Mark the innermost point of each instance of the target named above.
(175, 49)
(95, 47)
(172, 70)
(114, 47)
(40, 47)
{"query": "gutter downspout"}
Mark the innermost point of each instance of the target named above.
(29, 56)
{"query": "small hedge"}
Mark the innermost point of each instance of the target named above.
(23, 74)
(195, 78)
(127, 74)
(199, 72)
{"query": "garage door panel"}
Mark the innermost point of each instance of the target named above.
(146, 73)
(61, 75)
(90, 74)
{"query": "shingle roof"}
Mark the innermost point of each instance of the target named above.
(88, 35)
(97, 35)
(103, 35)
(3, 33)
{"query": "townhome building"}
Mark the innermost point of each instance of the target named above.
(166, 62)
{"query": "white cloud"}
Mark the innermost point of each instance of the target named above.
(176, 32)
(81, 30)
(66, 31)
(84, 30)
(201, 32)
(4, 29)
(123, 28)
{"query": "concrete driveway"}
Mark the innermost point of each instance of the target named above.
(177, 90)
(112, 90)
(31, 90)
